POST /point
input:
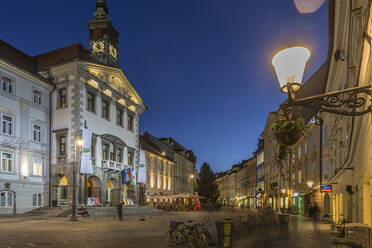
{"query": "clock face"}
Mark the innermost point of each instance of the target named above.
(98, 46)
(113, 51)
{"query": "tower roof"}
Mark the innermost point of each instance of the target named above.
(102, 10)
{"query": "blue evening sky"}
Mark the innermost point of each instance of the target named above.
(203, 67)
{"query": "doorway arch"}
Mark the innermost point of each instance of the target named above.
(94, 187)
(112, 191)
(60, 190)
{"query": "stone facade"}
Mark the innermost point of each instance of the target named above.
(24, 135)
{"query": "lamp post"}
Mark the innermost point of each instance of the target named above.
(289, 64)
(192, 178)
(78, 143)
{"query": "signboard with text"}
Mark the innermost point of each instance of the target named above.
(326, 188)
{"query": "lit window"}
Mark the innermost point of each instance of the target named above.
(7, 125)
(8, 85)
(7, 162)
(36, 136)
(37, 167)
(37, 97)
(37, 200)
(62, 145)
(104, 152)
(305, 147)
(91, 102)
(118, 155)
(130, 122)
(62, 96)
(119, 117)
(299, 152)
(6, 199)
(130, 158)
(105, 109)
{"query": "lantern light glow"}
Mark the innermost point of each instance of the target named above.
(289, 65)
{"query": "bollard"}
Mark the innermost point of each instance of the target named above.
(224, 234)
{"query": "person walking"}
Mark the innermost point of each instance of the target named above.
(120, 211)
(311, 211)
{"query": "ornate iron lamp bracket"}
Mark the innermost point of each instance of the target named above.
(350, 102)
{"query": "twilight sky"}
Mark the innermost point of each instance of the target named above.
(203, 67)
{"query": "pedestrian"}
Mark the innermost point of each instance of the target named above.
(120, 211)
(311, 211)
(315, 212)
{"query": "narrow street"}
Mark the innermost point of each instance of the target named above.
(96, 232)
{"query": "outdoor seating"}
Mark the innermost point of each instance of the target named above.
(357, 235)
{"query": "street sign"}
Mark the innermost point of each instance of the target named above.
(326, 188)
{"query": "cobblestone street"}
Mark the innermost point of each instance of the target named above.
(96, 232)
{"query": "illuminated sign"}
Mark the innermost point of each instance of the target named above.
(326, 188)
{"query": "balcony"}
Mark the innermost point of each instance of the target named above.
(61, 159)
(112, 165)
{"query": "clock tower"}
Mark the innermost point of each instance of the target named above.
(103, 37)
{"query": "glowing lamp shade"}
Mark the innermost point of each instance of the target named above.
(310, 184)
(289, 65)
(80, 142)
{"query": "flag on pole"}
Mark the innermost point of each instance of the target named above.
(123, 177)
(142, 168)
(86, 159)
(133, 182)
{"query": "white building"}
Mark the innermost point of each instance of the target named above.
(24, 133)
(92, 92)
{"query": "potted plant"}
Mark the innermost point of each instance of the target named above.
(287, 133)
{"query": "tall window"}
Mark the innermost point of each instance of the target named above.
(299, 152)
(37, 97)
(62, 95)
(62, 145)
(7, 125)
(119, 117)
(118, 155)
(305, 147)
(8, 85)
(6, 199)
(105, 109)
(130, 158)
(37, 167)
(37, 200)
(104, 152)
(325, 135)
(36, 134)
(7, 162)
(314, 139)
(112, 154)
(299, 176)
(130, 122)
(314, 168)
(325, 170)
(91, 102)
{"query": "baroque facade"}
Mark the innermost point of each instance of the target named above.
(93, 92)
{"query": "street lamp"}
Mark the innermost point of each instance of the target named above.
(78, 143)
(192, 178)
(283, 191)
(289, 64)
(310, 184)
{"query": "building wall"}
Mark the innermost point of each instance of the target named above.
(349, 149)
(22, 179)
(72, 119)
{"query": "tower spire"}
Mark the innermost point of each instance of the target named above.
(102, 10)
(103, 37)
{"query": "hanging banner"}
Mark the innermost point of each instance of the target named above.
(133, 174)
(142, 168)
(86, 159)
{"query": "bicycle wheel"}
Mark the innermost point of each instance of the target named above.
(196, 240)
(207, 237)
